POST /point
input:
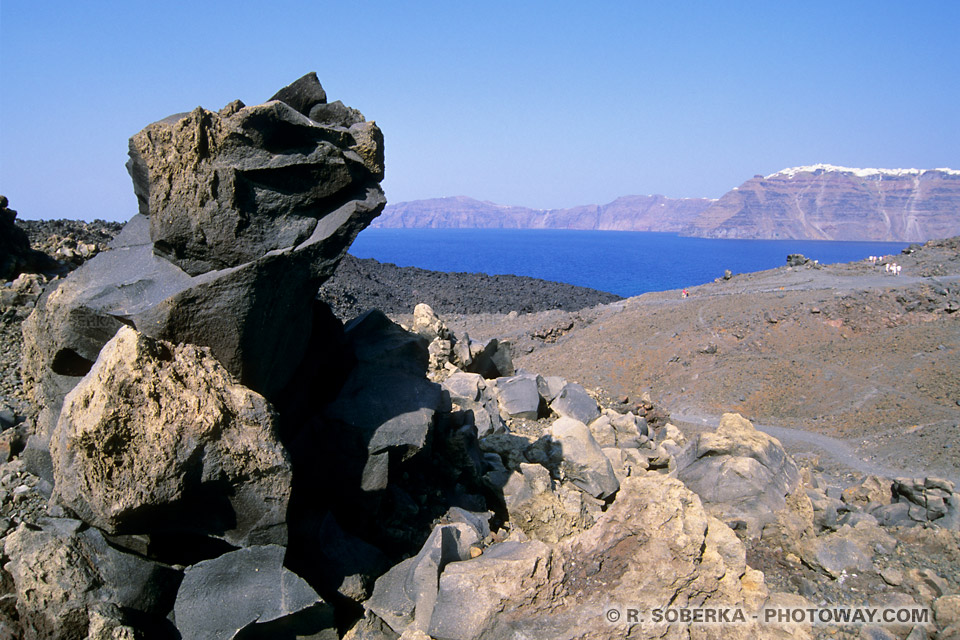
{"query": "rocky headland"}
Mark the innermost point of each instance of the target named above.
(200, 448)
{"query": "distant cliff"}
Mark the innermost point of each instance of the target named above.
(820, 202)
(629, 213)
(825, 202)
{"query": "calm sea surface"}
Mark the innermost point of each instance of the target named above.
(627, 263)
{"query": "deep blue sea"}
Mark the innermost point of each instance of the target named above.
(627, 263)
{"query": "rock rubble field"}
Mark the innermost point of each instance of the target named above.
(198, 446)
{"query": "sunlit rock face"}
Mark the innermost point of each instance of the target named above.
(824, 202)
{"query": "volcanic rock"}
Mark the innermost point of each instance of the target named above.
(584, 463)
(929, 500)
(519, 396)
(65, 574)
(243, 214)
(16, 256)
(741, 474)
(406, 594)
(250, 590)
(158, 437)
(654, 545)
(573, 401)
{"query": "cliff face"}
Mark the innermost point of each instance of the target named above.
(824, 202)
(629, 213)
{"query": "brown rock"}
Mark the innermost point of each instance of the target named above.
(159, 437)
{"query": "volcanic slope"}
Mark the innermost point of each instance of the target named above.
(846, 360)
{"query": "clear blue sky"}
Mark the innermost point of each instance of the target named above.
(542, 104)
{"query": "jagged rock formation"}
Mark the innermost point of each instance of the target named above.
(231, 204)
(825, 202)
(629, 213)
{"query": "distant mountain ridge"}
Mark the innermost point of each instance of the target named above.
(818, 202)
(628, 213)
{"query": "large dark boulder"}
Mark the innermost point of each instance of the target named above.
(243, 214)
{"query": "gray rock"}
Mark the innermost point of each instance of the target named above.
(741, 474)
(893, 515)
(220, 597)
(847, 549)
(930, 500)
(63, 572)
(406, 594)
(386, 399)
(632, 431)
(573, 401)
(336, 114)
(550, 387)
(464, 387)
(304, 94)
(603, 432)
(232, 203)
(519, 396)
(583, 463)
(346, 564)
(158, 437)
(492, 359)
(471, 593)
